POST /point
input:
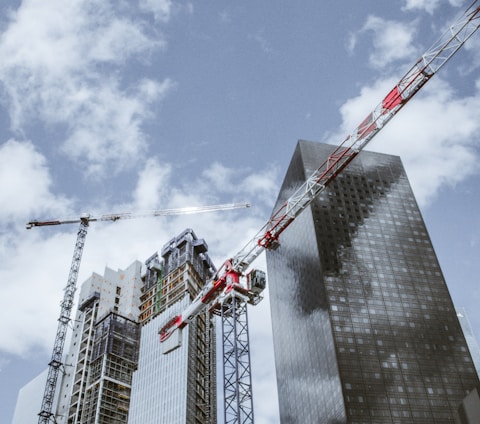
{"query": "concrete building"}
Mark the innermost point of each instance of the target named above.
(363, 324)
(179, 387)
(103, 349)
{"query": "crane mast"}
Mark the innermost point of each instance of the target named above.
(46, 414)
(228, 277)
(56, 361)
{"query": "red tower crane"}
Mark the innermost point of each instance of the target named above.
(46, 414)
(229, 279)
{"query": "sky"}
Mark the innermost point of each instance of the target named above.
(127, 106)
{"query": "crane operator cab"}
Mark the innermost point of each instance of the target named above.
(257, 281)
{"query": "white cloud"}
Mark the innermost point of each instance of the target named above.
(161, 9)
(260, 38)
(107, 126)
(152, 182)
(392, 40)
(29, 260)
(351, 43)
(427, 5)
(435, 135)
(219, 176)
(59, 67)
(263, 185)
(25, 184)
(34, 271)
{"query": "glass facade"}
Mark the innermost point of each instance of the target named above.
(364, 327)
(160, 383)
(178, 387)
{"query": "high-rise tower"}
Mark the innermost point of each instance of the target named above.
(103, 350)
(179, 387)
(363, 323)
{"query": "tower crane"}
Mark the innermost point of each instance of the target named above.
(232, 278)
(46, 414)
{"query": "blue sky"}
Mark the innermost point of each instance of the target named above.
(128, 106)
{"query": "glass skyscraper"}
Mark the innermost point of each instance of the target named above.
(364, 326)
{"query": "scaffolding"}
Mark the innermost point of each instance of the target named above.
(113, 361)
(151, 299)
(184, 248)
(89, 310)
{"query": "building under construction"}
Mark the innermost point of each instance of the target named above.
(113, 360)
(179, 387)
(103, 350)
(115, 371)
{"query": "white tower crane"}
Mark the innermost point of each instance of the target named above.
(227, 281)
(46, 414)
